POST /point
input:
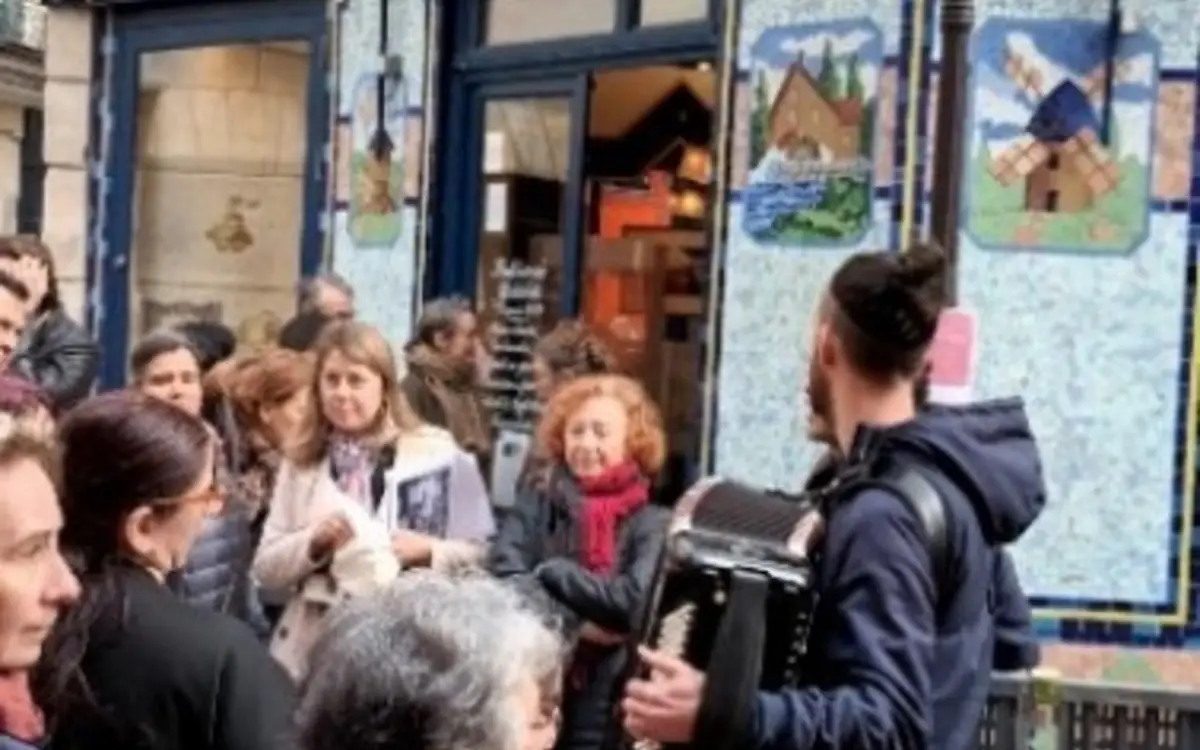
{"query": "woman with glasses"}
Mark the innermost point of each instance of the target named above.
(133, 665)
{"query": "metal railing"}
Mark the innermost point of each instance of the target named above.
(23, 22)
(1042, 712)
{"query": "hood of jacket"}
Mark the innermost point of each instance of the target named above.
(987, 450)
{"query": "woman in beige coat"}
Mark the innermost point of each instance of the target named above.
(369, 491)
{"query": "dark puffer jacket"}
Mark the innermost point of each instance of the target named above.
(217, 574)
(538, 546)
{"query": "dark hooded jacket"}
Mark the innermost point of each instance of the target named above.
(890, 667)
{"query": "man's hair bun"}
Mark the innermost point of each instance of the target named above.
(892, 303)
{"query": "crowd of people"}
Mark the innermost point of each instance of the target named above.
(296, 547)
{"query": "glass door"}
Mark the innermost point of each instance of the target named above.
(216, 163)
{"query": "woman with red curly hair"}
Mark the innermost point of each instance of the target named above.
(585, 537)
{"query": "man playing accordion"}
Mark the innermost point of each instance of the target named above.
(900, 651)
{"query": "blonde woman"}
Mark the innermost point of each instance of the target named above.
(368, 490)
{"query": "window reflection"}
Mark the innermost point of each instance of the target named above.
(664, 12)
(515, 21)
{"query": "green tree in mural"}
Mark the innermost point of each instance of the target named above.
(854, 85)
(827, 78)
(760, 116)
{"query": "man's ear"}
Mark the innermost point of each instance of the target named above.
(827, 349)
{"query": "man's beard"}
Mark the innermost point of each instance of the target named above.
(820, 397)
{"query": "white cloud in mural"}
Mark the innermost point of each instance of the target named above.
(869, 74)
(999, 108)
(1053, 74)
(814, 45)
(1139, 69)
(1133, 122)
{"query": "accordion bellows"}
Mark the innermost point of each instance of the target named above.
(733, 596)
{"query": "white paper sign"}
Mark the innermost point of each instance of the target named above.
(493, 152)
(508, 460)
(495, 208)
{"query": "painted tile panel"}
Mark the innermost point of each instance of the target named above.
(374, 241)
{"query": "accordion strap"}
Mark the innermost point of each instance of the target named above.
(735, 666)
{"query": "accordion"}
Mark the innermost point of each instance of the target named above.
(733, 596)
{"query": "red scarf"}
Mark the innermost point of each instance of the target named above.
(19, 716)
(608, 498)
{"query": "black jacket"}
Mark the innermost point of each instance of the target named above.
(173, 677)
(56, 354)
(538, 545)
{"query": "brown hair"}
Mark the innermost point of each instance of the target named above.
(571, 349)
(363, 345)
(646, 441)
(260, 380)
(17, 246)
(884, 309)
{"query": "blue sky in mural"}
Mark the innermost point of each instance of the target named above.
(779, 47)
(1061, 50)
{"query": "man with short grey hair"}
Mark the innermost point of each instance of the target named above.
(434, 663)
(329, 294)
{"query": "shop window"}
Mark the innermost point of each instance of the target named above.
(220, 183)
(665, 12)
(518, 21)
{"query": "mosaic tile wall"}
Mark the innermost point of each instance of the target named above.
(376, 204)
(1077, 257)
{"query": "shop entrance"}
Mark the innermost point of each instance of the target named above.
(219, 117)
(583, 188)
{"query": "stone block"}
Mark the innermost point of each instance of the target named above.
(69, 43)
(64, 219)
(66, 123)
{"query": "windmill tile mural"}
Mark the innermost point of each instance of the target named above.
(1062, 136)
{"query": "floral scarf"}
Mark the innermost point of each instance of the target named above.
(352, 464)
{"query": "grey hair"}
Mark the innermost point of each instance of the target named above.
(433, 663)
(310, 288)
(441, 316)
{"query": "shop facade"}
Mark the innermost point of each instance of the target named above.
(687, 173)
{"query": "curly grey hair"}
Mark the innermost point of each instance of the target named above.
(433, 663)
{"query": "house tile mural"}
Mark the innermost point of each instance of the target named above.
(812, 132)
(1062, 136)
(375, 240)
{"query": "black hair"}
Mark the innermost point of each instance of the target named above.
(126, 451)
(300, 333)
(154, 345)
(884, 309)
(14, 286)
(213, 342)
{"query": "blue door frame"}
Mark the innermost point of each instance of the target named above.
(555, 68)
(462, 273)
(137, 31)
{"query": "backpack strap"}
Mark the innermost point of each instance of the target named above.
(927, 504)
